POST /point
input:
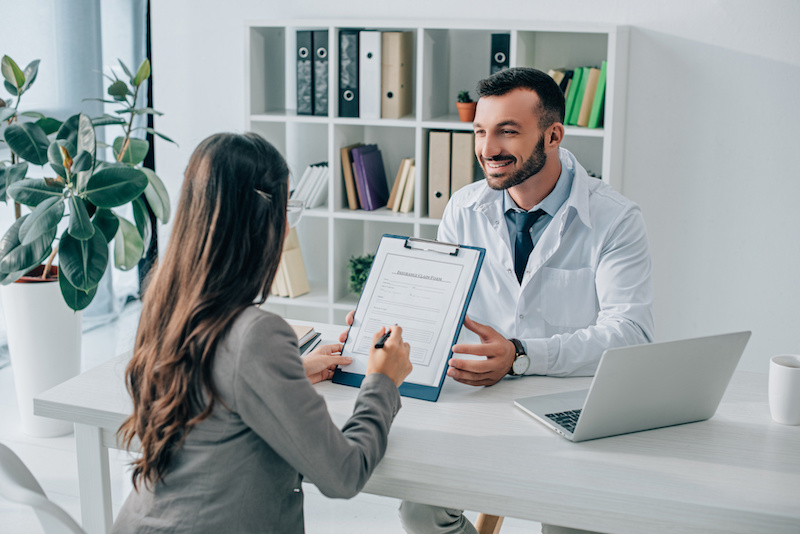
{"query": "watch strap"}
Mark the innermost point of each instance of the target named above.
(519, 350)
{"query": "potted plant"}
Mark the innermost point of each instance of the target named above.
(81, 187)
(359, 270)
(466, 106)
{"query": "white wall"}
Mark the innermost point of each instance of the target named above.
(712, 131)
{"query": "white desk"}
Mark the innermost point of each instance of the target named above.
(737, 472)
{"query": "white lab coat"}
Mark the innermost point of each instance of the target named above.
(587, 286)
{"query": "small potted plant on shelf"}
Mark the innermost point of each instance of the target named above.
(359, 270)
(466, 107)
(72, 181)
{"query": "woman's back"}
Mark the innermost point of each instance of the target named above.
(240, 469)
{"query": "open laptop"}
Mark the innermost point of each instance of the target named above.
(644, 387)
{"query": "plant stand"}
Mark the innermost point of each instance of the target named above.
(44, 341)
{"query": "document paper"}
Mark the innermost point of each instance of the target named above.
(423, 287)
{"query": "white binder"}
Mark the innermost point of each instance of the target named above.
(369, 77)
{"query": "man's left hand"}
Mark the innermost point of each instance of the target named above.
(499, 353)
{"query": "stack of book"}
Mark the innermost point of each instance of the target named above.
(313, 185)
(584, 90)
(375, 74)
(307, 338)
(451, 162)
(364, 177)
(401, 199)
(291, 280)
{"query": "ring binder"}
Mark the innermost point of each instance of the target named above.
(320, 61)
(501, 44)
(305, 74)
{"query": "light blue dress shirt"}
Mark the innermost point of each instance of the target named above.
(551, 204)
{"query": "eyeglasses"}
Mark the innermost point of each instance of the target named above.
(294, 212)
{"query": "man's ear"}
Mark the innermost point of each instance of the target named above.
(553, 136)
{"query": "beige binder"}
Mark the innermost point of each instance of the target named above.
(438, 173)
(349, 177)
(396, 195)
(462, 160)
(295, 272)
(291, 279)
(397, 53)
(408, 192)
(588, 97)
(280, 280)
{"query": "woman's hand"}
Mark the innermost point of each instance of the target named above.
(321, 362)
(392, 360)
(349, 321)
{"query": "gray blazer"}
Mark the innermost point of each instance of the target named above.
(240, 470)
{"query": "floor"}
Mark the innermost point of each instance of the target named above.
(53, 461)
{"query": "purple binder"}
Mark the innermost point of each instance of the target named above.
(373, 191)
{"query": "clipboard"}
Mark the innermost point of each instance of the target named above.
(425, 287)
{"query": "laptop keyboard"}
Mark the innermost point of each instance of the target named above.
(566, 419)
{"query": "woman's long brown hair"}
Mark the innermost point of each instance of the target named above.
(222, 256)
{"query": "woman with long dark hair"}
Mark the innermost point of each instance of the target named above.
(224, 412)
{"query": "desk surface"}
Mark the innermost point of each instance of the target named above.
(473, 449)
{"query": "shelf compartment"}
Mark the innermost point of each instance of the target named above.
(395, 143)
(357, 238)
(450, 66)
(267, 57)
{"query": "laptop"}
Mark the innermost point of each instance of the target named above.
(642, 387)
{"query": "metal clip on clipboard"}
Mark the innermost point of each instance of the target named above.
(418, 243)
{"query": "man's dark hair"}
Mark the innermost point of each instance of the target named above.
(551, 98)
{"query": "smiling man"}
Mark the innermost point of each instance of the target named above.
(567, 268)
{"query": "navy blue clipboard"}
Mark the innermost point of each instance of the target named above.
(429, 250)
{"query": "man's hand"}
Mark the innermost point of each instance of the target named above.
(322, 361)
(499, 353)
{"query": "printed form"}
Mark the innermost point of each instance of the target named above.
(425, 294)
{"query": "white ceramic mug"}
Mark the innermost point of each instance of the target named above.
(784, 389)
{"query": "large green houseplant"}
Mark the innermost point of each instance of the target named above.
(56, 169)
(80, 184)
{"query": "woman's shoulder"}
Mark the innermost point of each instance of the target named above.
(256, 328)
(258, 343)
(256, 318)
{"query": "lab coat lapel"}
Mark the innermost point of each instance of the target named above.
(575, 207)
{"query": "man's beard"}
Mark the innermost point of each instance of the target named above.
(532, 165)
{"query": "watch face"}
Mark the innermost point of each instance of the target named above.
(521, 364)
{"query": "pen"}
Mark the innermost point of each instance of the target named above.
(382, 340)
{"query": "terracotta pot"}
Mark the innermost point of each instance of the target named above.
(44, 342)
(466, 111)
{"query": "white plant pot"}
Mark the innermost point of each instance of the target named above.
(44, 342)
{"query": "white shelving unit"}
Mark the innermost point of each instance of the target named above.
(449, 57)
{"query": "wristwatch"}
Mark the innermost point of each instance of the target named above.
(521, 360)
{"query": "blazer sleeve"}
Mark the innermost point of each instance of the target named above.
(276, 400)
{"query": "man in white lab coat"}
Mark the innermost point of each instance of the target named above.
(567, 272)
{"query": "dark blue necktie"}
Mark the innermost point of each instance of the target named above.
(524, 244)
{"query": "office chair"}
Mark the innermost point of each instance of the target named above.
(18, 485)
(488, 524)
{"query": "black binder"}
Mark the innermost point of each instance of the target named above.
(348, 73)
(305, 74)
(501, 44)
(320, 61)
